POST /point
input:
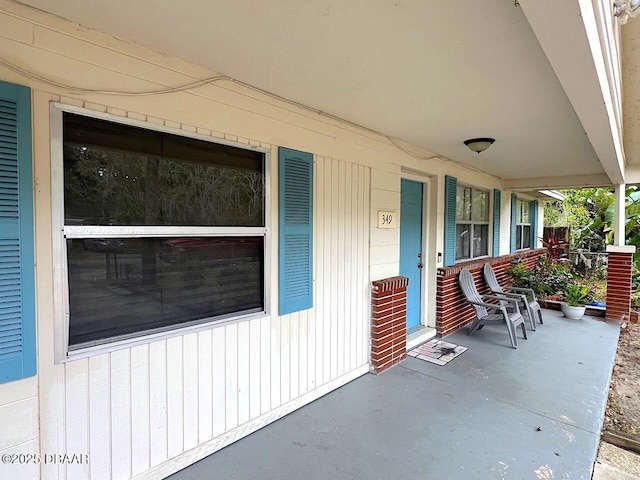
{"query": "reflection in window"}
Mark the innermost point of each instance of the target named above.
(472, 223)
(119, 287)
(121, 175)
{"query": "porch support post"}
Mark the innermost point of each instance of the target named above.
(619, 215)
(620, 263)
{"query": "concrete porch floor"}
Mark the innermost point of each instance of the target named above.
(491, 413)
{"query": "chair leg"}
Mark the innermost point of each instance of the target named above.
(512, 334)
(532, 318)
(474, 325)
(540, 315)
(524, 331)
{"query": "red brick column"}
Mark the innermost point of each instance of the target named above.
(620, 264)
(388, 322)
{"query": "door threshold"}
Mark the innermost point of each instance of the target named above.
(418, 335)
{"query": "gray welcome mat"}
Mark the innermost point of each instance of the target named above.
(437, 351)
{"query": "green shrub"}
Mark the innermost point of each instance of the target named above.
(545, 278)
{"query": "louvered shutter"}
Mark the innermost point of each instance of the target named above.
(514, 226)
(17, 290)
(496, 222)
(450, 194)
(533, 218)
(295, 174)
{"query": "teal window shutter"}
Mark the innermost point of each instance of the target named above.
(17, 283)
(295, 227)
(496, 222)
(450, 194)
(533, 218)
(514, 216)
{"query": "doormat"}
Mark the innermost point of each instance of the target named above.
(437, 351)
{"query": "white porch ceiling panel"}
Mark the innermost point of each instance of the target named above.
(431, 73)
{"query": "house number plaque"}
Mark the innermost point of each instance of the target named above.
(387, 219)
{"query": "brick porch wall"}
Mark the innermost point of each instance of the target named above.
(452, 310)
(388, 322)
(619, 270)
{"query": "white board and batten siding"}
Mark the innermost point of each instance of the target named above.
(152, 409)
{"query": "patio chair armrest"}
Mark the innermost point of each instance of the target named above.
(528, 291)
(496, 306)
(503, 299)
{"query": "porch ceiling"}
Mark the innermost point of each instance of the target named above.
(431, 74)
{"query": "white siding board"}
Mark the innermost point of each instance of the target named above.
(303, 352)
(231, 375)
(365, 298)
(99, 417)
(327, 292)
(121, 414)
(318, 258)
(205, 381)
(335, 254)
(175, 403)
(285, 358)
(294, 357)
(140, 410)
(190, 393)
(219, 381)
(265, 365)
(244, 350)
(276, 390)
(158, 420)
(255, 357)
(341, 269)
(355, 267)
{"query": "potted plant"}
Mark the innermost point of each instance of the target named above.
(576, 297)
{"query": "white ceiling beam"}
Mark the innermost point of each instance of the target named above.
(578, 43)
(553, 183)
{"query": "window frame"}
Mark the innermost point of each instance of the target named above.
(60, 233)
(472, 223)
(521, 203)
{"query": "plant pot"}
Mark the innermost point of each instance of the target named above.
(574, 313)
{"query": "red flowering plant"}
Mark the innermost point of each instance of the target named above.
(555, 246)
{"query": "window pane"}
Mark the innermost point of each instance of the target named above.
(519, 237)
(526, 236)
(463, 204)
(480, 206)
(525, 212)
(463, 241)
(480, 240)
(120, 287)
(122, 175)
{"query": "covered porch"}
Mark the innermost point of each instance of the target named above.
(493, 412)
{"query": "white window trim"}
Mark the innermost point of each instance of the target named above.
(472, 223)
(61, 233)
(520, 225)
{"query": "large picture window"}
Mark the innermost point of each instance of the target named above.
(161, 230)
(472, 223)
(523, 224)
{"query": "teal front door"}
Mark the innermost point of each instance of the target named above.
(411, 259)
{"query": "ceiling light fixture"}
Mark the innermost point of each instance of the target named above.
(623, 9)
(479, 144)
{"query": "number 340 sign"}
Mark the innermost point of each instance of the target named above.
(387, 219)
